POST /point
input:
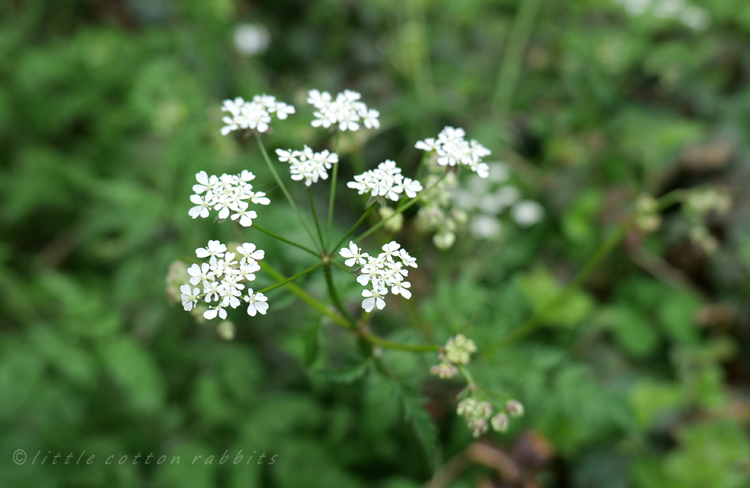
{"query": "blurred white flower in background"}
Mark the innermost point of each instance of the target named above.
(527, 213)
(480, 201)
(689, 15)
(251, 39)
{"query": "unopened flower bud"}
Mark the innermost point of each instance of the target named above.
(395, 223)
(444, 370)
(500, 422)
(177, 275)
(458, 349)
(226, 330)
(478, 427)
(444, 240)
(514, 408)
(700, 235)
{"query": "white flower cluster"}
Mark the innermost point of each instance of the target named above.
(386, 270)
(308, 165)
(476, 413)
(457, 350)
(689, 15)
(452, 149)
(220, 280)
(228, 195)
(385, 181)
(346, 111)
(254, 115)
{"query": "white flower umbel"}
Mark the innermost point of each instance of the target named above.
(345, 110)
(386, 181)
(452, 149)
(308, 165)
(255, 114)
(380, 273)
(221, 281)
(228, 195)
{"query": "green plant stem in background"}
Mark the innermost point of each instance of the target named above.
(283, 188)
(530, 325)
(306, 297)
(400, 209)
(338, 318)
(291, 278)
(333, 293)
(510, 67)
(315, 217)
(332, 197)
(282, 239)
(351, 231)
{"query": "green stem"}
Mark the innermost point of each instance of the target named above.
(315, 217)
(292, 278)
(671, 198)
(305, 297)
(532, 323)
(400, 209)
(332, 197)
(282, 239)
(282, 186)
(333, 293)
(342, 267)
(510, 67)
(351, 231)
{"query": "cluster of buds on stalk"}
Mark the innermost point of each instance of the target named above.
(647, 217)
(479, 415)
(457, 351)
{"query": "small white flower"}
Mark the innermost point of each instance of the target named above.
(189, 297)
(211, 313)
(214, 248)
(199, 274)
(373, 299)
(257, 303)
(353, 255)
(248, 250)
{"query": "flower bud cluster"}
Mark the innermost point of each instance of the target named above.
(477, 413)
(345, 110)
(385, 181)
(647, 216)
(387, 270)
(255, 115)
(228, 195)
(308, 165)
(699, 205)
(457, 351)
(452, 149)
(221, 280)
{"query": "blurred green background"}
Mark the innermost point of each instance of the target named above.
(638, 379)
